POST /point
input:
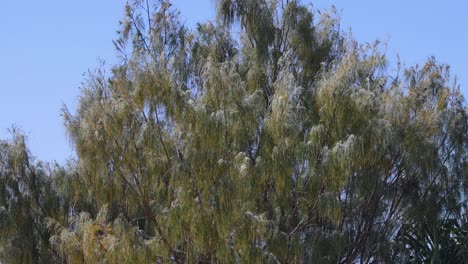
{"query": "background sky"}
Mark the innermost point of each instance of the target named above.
(46, 46)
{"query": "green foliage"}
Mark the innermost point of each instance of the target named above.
(27, 195)
(444, 241)
(286, 143)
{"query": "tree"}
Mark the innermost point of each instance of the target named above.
(28, 194)
(441, 242)
(287, 143)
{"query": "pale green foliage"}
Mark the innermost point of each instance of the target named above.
(27, 195)
(286, 143)
(294, 145)
(97, 241)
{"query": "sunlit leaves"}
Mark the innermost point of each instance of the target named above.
(285, 142)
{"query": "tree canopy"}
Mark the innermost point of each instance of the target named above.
(267, 136)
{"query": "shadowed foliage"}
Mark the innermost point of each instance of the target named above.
(268, 136)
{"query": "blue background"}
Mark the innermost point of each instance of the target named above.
(46, 46)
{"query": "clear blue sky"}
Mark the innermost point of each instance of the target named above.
(47, 45)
